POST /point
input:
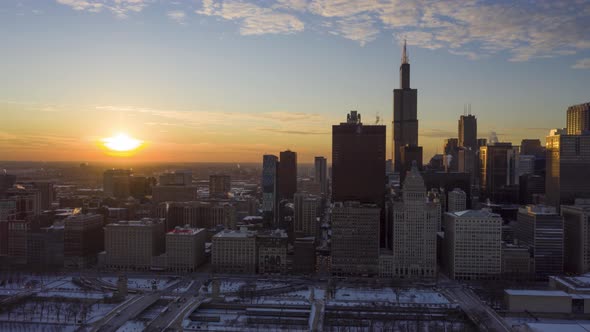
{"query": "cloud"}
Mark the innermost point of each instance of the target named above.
(253, 19)
(294, 132)
(520, 30)
(360, 28)
(582, 64)
(437, 133)
(178, 16)
(120, 8)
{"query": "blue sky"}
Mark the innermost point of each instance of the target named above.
(230, 80)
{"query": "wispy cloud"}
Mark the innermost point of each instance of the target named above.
(121, 8)
(253, 19)
(472, 28)
(178, 16)
(293, 132)
(582, 64)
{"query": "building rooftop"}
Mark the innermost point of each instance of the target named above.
(534, 292)
(137, 223)
(538, 210)
(474, 214)
(186, 230)
(235, 234)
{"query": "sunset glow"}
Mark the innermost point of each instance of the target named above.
(121, 143)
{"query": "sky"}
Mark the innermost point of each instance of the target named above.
(231, 80)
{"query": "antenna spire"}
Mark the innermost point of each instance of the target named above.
(405, 58)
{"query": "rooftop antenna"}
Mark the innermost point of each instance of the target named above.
(405, 58)
(377, 118)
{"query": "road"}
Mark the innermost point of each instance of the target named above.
(176, 309)
(481, 314)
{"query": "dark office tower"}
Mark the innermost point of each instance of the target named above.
(405, 114)
(451, 154)
(468, 131)
(568, 168)
(270, 198)
(116, 183)
(578, 119)
(6, 182)
(288, 175)
(498, 172)
(219, 186)
(321, 173)
(358, 161)
(531, 147)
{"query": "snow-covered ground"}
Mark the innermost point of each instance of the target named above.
(397, 296)
(132, 326)
(141, 283)
(56, 312)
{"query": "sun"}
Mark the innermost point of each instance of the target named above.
(121, 143)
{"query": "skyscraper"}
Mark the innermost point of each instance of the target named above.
(270, 198)
(541, 229)
(568, 168)
(219, 186)
(415, 223)
(498, 169)
(468, 131)
(578, 119)
(321, 173)
(116, 183)
(288, 174)
(405, 114)
(307, 208)
(358, 161)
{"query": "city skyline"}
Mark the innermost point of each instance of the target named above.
(242, 79)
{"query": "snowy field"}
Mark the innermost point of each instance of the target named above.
(142, 283)
(397, 296)
(52, 312)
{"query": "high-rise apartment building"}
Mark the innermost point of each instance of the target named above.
(83, 239)
(473, 245)
(355, 239)
(200, 214)
(405, 115)
(287, 174)
(219, 186)
(130, 245)
(321, 173)
(234, 252)
(306, 214)
(358, 161)
(568, 168)
(576, 229)
(270, 188)
(578, 119)
(415, 223)
(6, 182)
(541, 229)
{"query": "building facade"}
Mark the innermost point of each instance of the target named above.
(287, 174)
(473, 245)
(415, 223)
(568, 168)
(576, 229)
(457, 200)
(272, 252)
(541, 229)
(321, 173)
(234, 252)
(306, 214)
(219, 186)
(131, 245)
(355, 239)
(270, 189)
(578, 119)
(185, 248)
(83, 239)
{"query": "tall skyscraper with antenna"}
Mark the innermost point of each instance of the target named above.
(405, 120)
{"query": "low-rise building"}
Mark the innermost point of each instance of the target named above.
(130, 245)
(234, 251)
(272, 252)
(185, 248)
